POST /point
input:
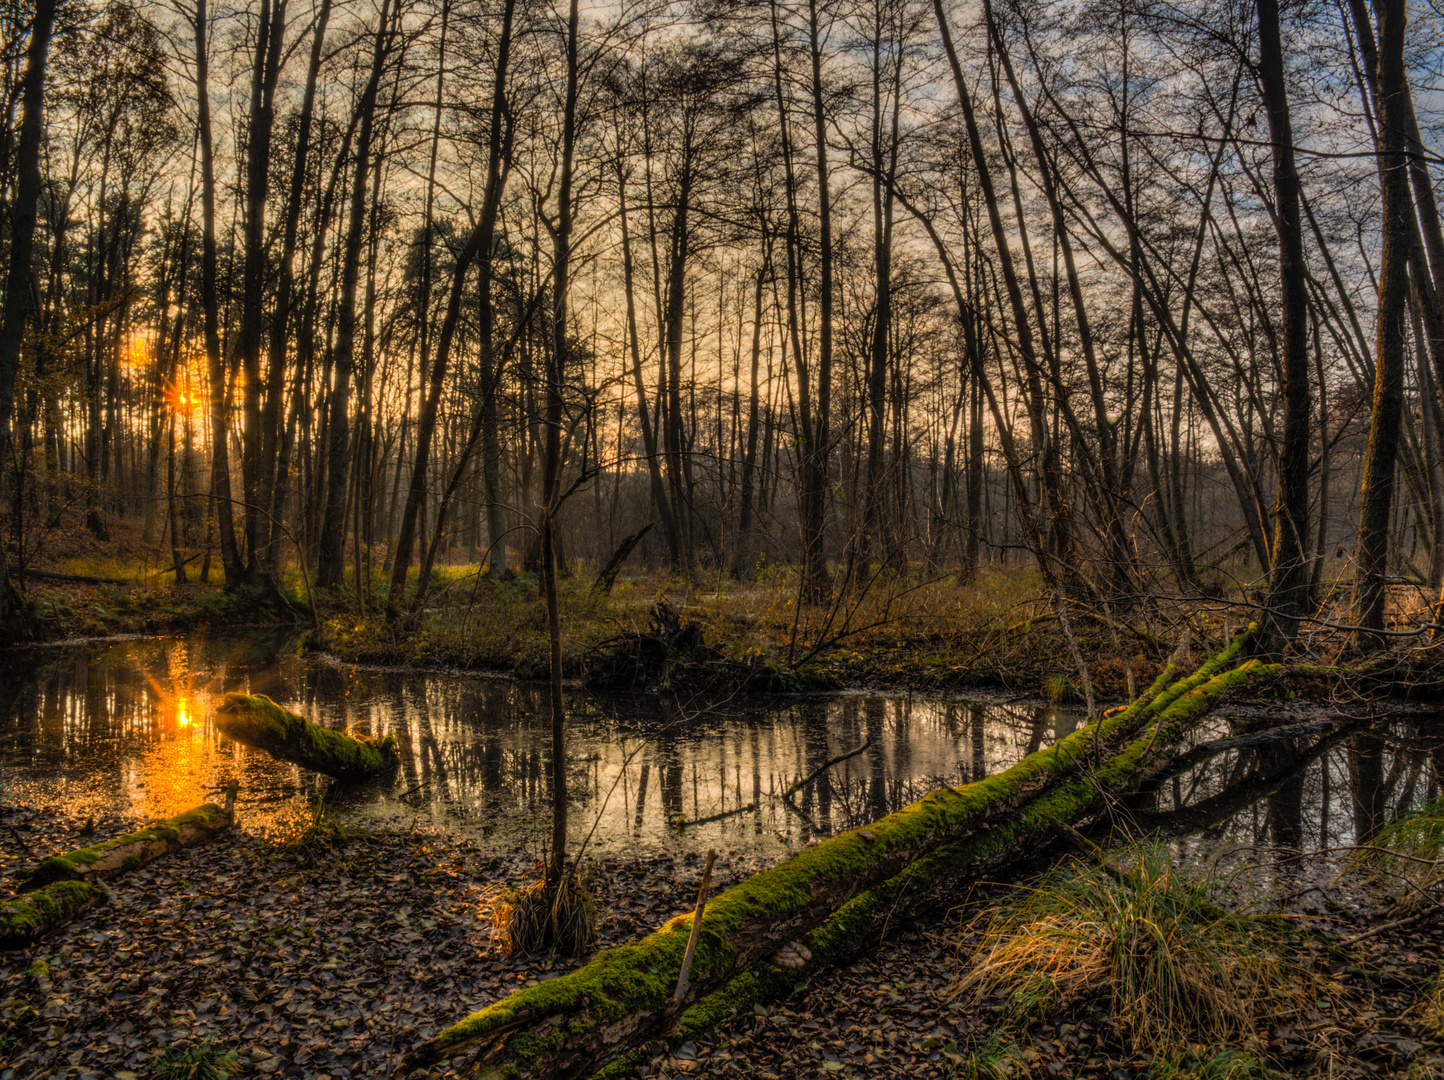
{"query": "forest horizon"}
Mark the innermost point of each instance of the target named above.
(1145, 294)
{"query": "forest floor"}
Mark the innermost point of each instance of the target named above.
(327, 954)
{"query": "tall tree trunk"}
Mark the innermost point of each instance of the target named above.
(272, 480)
(210, 306)
(330, 559)
(817, 579)
(552, 463)
(16, 311)
(1377, 494)
(499, 142)
(265, 70)
(742, 558)
(1288, 598)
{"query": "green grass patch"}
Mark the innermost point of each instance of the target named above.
(1406, 859)
(204, 1061)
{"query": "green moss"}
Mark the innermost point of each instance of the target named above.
(256, 720)
(74, 865)
(621, 982)
(27, 918)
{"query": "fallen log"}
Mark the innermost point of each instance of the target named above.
(29, 917)
(111, 858)
(934, 879)
(830, 893)
(61, 888)
(608, 577)
(256, 720)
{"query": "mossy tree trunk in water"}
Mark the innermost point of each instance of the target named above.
(1376, 498)
(256, 720)
(569, 1026)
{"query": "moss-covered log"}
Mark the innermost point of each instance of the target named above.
(568, 1026)
(256, 720)
(111, 858)
(28, 918)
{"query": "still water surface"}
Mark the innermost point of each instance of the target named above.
(128, 725)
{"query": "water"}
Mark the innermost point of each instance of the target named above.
(128, 726)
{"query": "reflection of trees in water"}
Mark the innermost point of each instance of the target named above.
(475, 749)
(1309, 794)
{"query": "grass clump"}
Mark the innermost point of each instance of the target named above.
(1181, 962)
(1212, 1063)
(321, 841)
(204, 1061)
(991, 1057)
(1406, 859)
(1431, 1007)
(535, 917)
(1062, 690)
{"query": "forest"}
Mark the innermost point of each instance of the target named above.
(1148, 297)
(744, 537)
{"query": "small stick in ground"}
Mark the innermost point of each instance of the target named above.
(683, 975)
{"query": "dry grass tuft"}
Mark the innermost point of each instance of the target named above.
(1181, 963)
(1406, 859)
(535, 917)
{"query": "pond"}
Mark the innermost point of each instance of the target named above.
(127, 725)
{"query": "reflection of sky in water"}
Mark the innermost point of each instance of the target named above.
(129, 725)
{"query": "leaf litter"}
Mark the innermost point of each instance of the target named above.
(331, 962)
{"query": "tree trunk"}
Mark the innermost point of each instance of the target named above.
(1376, 497)
(330, 560)
(478, 243)
(16, 311)
(264, 72)
(1289, 600)
(556, 868)
(210, 304)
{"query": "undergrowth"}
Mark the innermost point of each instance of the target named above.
(1406, 859)
(204, 1061)
(1180, 960)
(533, 917)
(322, 841)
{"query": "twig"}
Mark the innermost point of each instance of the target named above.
(682, 976)
(1397, 924)
(829, 763)
(683, 822)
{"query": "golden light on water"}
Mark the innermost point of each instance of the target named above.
(183, 716)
